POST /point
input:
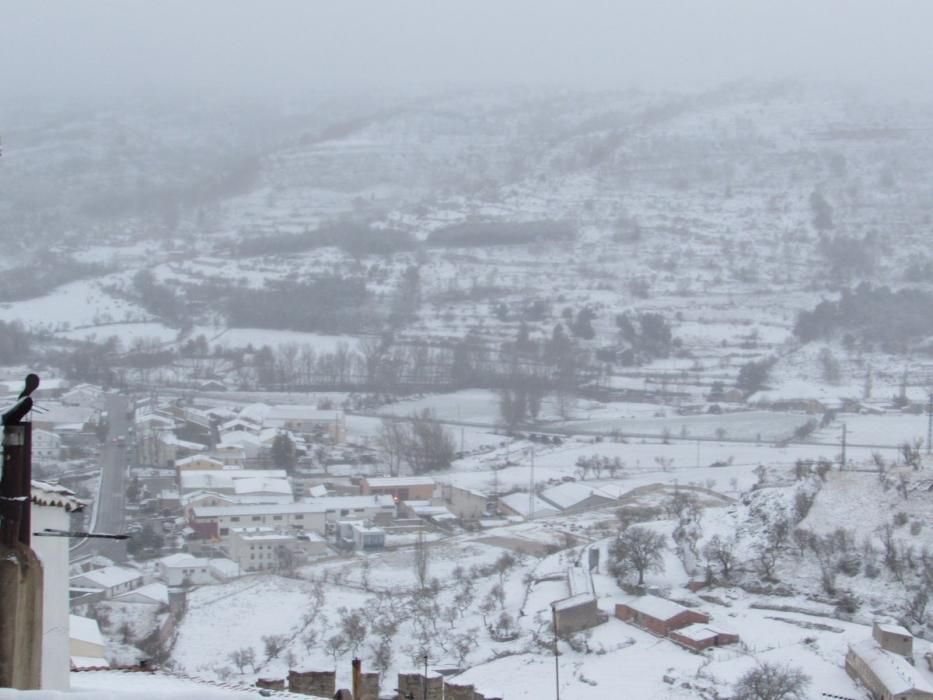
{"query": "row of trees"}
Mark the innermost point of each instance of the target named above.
(419, 441)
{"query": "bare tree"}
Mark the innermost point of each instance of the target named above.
(721, 551)
(242, 658)
(911, 453)
(336, 646)
(772, 682)
(352, 628)
(393, 441)
(638, 549)
(422, 560)
(274, 644)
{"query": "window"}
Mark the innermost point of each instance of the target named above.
(224, 531)
(345, 511)
(257, 518)
(299, 516)
(235, 519)
(276, 517)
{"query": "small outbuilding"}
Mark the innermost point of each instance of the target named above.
(658, 615)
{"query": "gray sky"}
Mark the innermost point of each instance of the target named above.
(235, 46)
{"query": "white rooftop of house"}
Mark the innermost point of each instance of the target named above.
(84, 629)
(388, 482)
(157, 592)
(893, 670)
(239, 422)
(573, 601)
(251, 485)
(570, 494)
(56, 413)
(184, 461)
(364, 529)
(518, 502)
(226, 567)
(424, 509)
(699, 631)
(209, 479)
(181, 559)
(46, 494)
(255, 534)
(172, 439)
(312, 505)
(109, 576)
(891, 628)
(157, 418)
(579, 581)
(658, 608)
(238, 438)
(472, 492)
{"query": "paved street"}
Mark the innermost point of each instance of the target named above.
(111, 514)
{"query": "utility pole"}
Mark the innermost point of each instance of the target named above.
(531, 492)
(556, 652)
(842, 465)
(930, 425)
(424, 686)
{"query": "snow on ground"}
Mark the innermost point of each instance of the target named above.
(854, 501)
(257, 337)
(126, 332)
(76, 304)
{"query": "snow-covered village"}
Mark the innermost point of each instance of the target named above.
(516, 390)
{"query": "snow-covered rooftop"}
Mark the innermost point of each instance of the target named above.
(699, 631)
(388, 482)
(311, 505)
(84, 629)
(518, 502)
(573, 601)
(893, 670)
(108, 577)
(659, 608)
(261, 485)
(181, 559)
(46, 494)
(157, 592)
(570, 494)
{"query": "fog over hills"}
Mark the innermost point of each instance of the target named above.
(503, 338)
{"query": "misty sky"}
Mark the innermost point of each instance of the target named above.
(239, 46)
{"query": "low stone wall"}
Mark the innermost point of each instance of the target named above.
(413, 683)
(320, 683)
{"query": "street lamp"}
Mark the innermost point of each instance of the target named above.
(556, 654)
(424, 686)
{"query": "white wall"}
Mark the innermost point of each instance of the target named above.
(53, 551)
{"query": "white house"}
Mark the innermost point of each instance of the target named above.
(51, 506)
(83, 395)
(267, 548)
(46, 445)
(86, 644)
(150, 594)
(181, 569)
(111, 580)
(311, 516)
